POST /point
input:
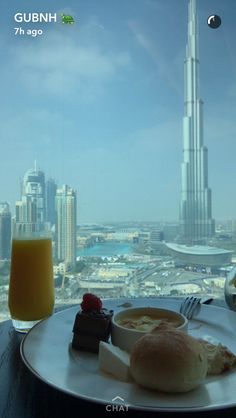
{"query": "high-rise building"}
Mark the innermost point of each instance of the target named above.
(66, 225)
(5, 231)
(30, 210)
(51, 189)
(156, 235)
(196, 223)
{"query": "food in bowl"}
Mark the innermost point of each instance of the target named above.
(146, 322)
(131, 324)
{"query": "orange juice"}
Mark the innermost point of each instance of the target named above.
(31, 289)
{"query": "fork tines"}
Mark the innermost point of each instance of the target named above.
(189, 305)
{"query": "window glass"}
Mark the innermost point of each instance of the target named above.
(117, 130)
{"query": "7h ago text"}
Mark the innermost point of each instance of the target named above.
(29, 32)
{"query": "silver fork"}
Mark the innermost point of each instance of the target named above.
(189, 306)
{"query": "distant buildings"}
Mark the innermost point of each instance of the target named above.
(5, 231)
(196, 221)
(170, 231)
(66, 204)
(152, 237)
(156, 236)
(42, 206)
(30, 210)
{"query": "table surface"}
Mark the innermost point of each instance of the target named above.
(23, 395)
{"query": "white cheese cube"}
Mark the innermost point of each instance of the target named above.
(113, 360)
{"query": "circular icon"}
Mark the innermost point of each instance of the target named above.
(214, 21)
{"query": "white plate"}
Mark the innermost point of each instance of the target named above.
(47, 353)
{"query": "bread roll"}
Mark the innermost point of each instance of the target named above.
(169, 361)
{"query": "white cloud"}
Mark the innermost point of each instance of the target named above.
(65, 61)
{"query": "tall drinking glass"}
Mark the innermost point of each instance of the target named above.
(31, 288)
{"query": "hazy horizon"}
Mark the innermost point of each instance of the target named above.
(99, 104)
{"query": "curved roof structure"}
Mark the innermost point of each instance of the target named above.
(197, 249)
(200, 255)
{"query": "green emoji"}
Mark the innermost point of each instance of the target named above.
(67, 19)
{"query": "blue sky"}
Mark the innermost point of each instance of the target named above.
(99, 104)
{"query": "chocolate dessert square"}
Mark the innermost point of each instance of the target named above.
(92, 323)
(90, 328)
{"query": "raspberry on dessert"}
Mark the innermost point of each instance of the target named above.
(91, 303)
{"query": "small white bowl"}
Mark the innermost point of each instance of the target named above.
(126, 337)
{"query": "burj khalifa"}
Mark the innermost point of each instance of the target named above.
(196, 223)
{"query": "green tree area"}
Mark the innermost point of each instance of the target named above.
(80, 266)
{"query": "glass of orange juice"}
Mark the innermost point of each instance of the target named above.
(31, 287)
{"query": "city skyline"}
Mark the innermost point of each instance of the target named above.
(100, 105)
(25, 207)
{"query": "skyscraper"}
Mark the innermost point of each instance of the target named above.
(196, 221)
(66, 225)
(51, 189)
(5, 231)
(30, 210)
